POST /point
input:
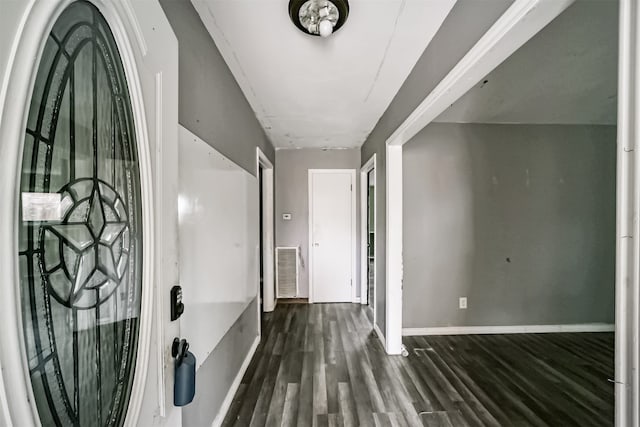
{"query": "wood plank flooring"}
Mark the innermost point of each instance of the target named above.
(322, 365)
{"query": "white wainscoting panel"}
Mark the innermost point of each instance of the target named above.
(219, 242)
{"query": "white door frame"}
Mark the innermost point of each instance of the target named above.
(268, 284)
(354, 263)
(364, 233)
(518, 24)
(627, 351)
(148, 50)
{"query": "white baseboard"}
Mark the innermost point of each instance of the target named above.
(226, 403)
(356, 300)
(380, 335)
(517, 329)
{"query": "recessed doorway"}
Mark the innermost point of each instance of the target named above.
(368, 237)
(266, 279)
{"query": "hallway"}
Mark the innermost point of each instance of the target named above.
(324, 361)
(231, 213)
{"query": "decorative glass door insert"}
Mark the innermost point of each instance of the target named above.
(80, 228)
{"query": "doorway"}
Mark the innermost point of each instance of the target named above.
(266, 282)
(332, 235)
(261, 245)
(371, 233)
(368, 237)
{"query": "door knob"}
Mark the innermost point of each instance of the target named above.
(316, 244)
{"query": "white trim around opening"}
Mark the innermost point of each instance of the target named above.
(627, 352)
(369, 166)
(268, 277)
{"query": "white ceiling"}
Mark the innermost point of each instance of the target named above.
(309, 92)
(566, 74)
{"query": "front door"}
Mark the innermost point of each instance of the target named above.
(80, 227)
(332, 209)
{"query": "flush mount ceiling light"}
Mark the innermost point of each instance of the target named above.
(318, 17)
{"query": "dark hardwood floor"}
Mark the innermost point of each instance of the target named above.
(322, 365)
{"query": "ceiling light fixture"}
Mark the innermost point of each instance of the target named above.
(318, 17)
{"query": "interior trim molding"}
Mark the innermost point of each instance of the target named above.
(513, 329)
(268, 232)
(135, 26)
(627, 283)
(523, 20)
(159, 318)
(376, 328)
(226, 403)
(393, 254)
(364, 233)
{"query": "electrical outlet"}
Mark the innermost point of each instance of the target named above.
(462, 303)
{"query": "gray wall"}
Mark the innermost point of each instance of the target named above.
(215, 377)
(518, 218)
(292, 196)
(475, 17)
(212, 106)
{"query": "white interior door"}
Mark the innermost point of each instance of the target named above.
(332, 239)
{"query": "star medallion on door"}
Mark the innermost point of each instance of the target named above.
(94, 241)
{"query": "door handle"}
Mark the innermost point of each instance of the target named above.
(316, 244)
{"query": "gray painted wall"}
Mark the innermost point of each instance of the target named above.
(212, 106)
(217, 374)
(520, 219)
(575, 59)
(476, 17)
(292, 196)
